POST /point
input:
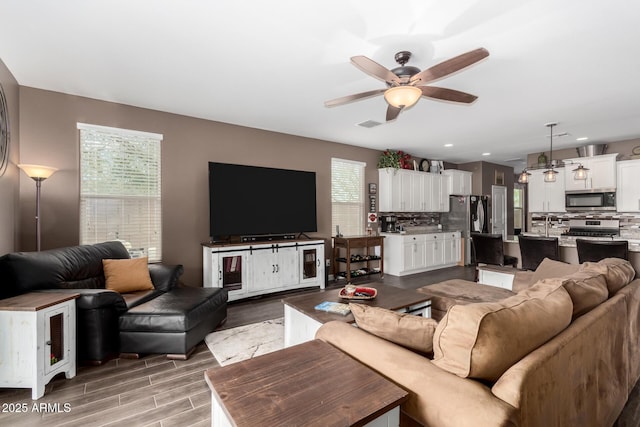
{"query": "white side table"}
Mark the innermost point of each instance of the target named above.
(38, 336)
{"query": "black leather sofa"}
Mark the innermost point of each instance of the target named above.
(168, 319)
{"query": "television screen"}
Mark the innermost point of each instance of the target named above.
(252, 200)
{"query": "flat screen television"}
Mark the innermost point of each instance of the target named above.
(253, 200)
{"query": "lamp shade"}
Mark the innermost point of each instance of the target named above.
(37, 171)
(523, 178)
(402, 96)
(550, 175)
(580, 173)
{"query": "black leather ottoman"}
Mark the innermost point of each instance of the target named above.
(172, 323)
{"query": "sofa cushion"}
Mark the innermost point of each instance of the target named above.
(549, 268)
(413, 332)
(127, 275)
(587, 289)
(617, 272)
(483, 340)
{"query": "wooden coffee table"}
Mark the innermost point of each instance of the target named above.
(301, 320)
(309, 384)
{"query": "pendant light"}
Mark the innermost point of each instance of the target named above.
(523, 178)
(580, 173)
(550, 173)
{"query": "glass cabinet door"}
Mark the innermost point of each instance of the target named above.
(231, 272)
(310, 264)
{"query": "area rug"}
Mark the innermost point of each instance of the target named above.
(244, 342)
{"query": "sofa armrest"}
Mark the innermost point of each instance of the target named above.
(165, 277)
(436, 397)
(91, 299)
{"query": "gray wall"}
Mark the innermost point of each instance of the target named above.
(49, 136)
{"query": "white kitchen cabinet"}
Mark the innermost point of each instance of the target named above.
(452, 249)
(435, 250)
(459, 182)
(628, 186)
(546, 196)
(247, 270)
(600, 176)
(403, 190)
(415, 253)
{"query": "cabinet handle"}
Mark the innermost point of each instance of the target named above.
(273, 268)
(48, 342)
(318, 262)
(277, 268)
(219, 274)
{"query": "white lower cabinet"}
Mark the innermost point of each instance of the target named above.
(257, 269)
(415, 253)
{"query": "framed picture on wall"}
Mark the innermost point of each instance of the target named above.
(373, 188)
(499, 178)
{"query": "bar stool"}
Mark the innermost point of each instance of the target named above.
(533, 249)
(489, 249)
(595, 250)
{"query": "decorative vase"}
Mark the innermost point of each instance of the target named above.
(542, 159)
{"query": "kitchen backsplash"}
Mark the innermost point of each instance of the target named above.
(406, 219)
(559, 223)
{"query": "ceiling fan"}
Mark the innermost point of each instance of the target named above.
(405, 84)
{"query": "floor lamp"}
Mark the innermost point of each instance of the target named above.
(38, 173)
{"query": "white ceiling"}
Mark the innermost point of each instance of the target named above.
(272, 64)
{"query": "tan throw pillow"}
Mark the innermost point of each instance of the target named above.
(549, 268)
(413, 332)
(483, 340)
(618, 272)
(127, 275)
(587, 288)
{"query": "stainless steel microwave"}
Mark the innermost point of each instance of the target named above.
(599, 200)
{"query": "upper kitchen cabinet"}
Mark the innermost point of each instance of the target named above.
(628, 186)
(459, 182)
(402, 190)
(600, 176)
(546, 196)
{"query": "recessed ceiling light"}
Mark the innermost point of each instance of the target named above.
(448, 145)
(582, 138)
(486, 154)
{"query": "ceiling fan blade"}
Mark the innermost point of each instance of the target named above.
(351, 98)
(447, 94)
(374, 69)
(393, 112)
(450, 66)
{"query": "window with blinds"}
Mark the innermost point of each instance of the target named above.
(120, 189)
(347, 196)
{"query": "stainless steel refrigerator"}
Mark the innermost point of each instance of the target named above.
(467, 214)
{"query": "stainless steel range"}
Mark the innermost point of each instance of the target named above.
(603, 228)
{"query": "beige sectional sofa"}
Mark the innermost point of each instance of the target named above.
(563, 351)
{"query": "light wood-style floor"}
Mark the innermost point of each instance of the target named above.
(154, 391)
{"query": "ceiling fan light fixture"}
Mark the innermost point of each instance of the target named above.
(580, 173)
(550, 175)
(402, 96)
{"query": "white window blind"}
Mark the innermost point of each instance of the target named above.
(347, 196)
(120, 189)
